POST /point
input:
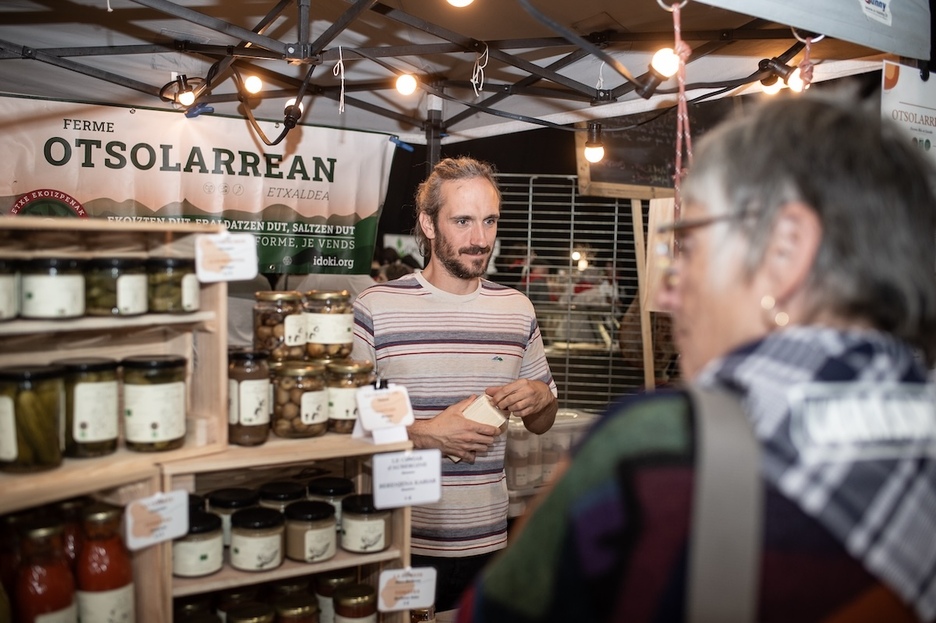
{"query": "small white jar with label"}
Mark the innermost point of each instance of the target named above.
(310, 531)
(201, 551)
(364, 528)
(257, 539)
(52, 287)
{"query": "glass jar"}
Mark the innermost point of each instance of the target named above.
(517, 458)
(233, 597)
(70, 513)
(173, 285)
(12, 526)
(115, 287)
(9, 289)
(257, 539)
(197, 617)
(310, 531)
(356, 603)
(32, 415)
(329, 324)
(104, 569)
(251, 612)
(224, 502)
(288, 586)
(201, 551)
(364, 528)
(192, 605)
(154, 402)
(45, 586)
(296, 608)
(331, 489)
(278, 325)
(52, 288)
(343, 378)
(248, 396)
(325, 586)
(280, 493)
(92, 407)
(423, 615)
(300, 401)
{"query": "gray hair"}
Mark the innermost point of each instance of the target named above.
(871, 189)
(429, 193)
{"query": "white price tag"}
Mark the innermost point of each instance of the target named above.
(405, 589)
(407, 478)
(226, 257)
(158, 518)
(383, 414)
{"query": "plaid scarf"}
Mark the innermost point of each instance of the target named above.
(848, 425)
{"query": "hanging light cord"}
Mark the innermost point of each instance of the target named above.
(477, 73)
(683, 134)
(339, 71)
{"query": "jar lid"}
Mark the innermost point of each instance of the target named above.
(360, 503)
(155, 263)
(199, 617)
(196, 502)
(30, 373)
(350, 366)
(99, 512)
(152, 362)
(278, 295)
(281, 491)
(127, 263)
(72, 506)
(231, 597)
(251, 612)
(330, 485)
(296, 604)
(322, 295)
(233, 497)
(327, 581)
(201, 522)
(42, 528)
(246, 354)
(59, 263)
(288, 586)
(300, 368)
(309, 511)
(87, 364)
(355, 595)
(257, 518)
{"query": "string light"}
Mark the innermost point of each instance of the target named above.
(253, 84)
(663, 65)
(406, 84)
(594, 148)
(460, 3)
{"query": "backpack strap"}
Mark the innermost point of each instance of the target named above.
(727, 510)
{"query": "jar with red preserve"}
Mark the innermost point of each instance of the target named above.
(45, 587)
(104, 570)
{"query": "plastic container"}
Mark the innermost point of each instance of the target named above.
(343, 379)
(310, 531)
(154, 402)
(364, 527)
(329, 324)
(257, 539)
(248, 397)
(201, 551)
(31, 409)
(92, 406)
(173, 286)
(115, 287)
(279, 326)
(52, 288)
(300, 400)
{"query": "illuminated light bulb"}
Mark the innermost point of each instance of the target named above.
(576, 256)
(665, 62)
(594, 148)
(773, 88)
(460, 3)
(594, 154)
(292, 102)
(253, 84)
(795, 81)
(582, 265)
(406, 84)
(186, 98)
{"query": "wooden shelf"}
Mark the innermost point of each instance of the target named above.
(45, 328)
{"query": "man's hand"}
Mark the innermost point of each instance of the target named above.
(453, 433)
(527, 399)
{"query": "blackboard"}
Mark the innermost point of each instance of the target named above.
(640, 150)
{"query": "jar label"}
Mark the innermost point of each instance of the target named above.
(190, 292)
(294, 330)
(106, 606)
(8, 298)
(95, 412)
(330, 328)
(65, 615)
(367, 618)
(197, 557)
(314, 409)
(326, 609)
(255, 553)
(342, 403)
(154, 412)
(233, 402)
(131, 294)
(252, 402)
(48, 296)
(362, 536)
(8, 449)
(320, 544)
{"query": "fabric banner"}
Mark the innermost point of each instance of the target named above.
(313, 201)
(910, 101)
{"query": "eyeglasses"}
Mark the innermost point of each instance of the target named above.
(680, 227)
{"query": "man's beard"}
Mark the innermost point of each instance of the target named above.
(451, 261)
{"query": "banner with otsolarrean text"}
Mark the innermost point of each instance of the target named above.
(313, 201)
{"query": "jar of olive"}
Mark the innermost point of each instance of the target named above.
(154, 402)
(31, 414)
(343, 379)
(9, 289)
(248, 397)
(329, 324)
(300, 403)
(92, 410)
(115, 287)
(279, 326)
(52, 288)
(173, 285)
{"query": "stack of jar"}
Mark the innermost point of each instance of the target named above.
(302, 343)
(67, 562)
(278, 520)
(68, 287)
(90, 392)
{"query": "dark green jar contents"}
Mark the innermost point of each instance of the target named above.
(154, 402)
(173, 285)
(115, 287)
(91, 406)
(30, 416)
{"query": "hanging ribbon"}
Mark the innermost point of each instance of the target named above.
(683, 134)
(338, 70)
(477, 74)
(806, 67)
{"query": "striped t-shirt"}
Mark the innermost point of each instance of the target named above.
(443, 348)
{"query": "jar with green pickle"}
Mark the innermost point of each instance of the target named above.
(154, 402)
(173, 285)
(115, 286)
(31, 417)
(92, 410)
